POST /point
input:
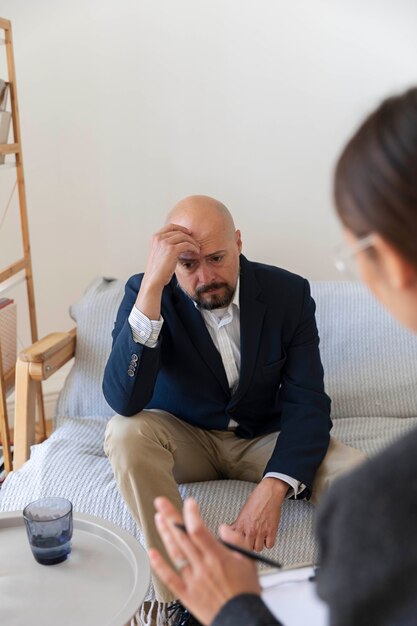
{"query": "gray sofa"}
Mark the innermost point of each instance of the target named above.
(370, 373)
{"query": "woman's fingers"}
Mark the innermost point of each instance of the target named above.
(179, 545)
(164, 506)
(209, 546)
(169, 537)
(197, 544)
(208, 574)
(231, 535)
(169, 577)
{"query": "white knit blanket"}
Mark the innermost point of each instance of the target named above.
(370, 373)
(72, 464)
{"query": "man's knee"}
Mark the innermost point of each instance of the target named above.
(125, 435)
(339, 460)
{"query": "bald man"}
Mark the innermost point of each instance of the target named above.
(215, 372)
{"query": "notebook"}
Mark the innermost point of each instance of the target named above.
(292, 597)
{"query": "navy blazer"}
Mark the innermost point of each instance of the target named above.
(281, 378)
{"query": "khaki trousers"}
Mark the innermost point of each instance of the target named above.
(153, 451)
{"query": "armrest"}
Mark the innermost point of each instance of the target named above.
(47, 355)
(36, 363)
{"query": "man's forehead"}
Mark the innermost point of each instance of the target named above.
(187, 256)
(210, 237)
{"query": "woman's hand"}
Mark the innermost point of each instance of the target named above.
(207, 573)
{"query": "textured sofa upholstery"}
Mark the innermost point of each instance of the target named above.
(370, 373)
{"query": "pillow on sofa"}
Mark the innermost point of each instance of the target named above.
(94, 314)
(370, 361)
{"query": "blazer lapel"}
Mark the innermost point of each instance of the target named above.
(200, 336)
(252, 313)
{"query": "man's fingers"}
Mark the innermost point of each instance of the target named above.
(259, 543)
(250, 541)
(251, 537)
(237, 535)
(270, 538)
(175, 235)
(176, 232)
(271, 533)
(170, 227)
(247, 536)
(231, 535)
(179, 239)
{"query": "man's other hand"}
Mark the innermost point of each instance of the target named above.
(259, 518)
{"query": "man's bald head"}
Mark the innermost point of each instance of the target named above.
(210, 276)
(197, 212)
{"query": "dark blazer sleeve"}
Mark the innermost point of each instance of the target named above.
(246, 609)
(366, 526)
(303, 403)
(131, 369)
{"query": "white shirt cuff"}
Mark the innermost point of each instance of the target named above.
(296, 486)
(144, 330)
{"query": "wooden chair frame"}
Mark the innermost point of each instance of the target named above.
(35, 364)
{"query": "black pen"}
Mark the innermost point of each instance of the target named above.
(251, 555)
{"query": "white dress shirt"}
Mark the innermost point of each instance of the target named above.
(223, 324)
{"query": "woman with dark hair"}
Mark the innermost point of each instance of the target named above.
(368, 541)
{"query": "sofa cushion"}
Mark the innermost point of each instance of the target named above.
(370, 362)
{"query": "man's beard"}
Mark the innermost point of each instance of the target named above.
(216, 300)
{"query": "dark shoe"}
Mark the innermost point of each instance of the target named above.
(181, 615)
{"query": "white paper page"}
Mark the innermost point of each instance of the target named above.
(294, 600)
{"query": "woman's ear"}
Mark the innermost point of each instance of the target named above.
(398, 271)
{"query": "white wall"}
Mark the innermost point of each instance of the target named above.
(127, 106)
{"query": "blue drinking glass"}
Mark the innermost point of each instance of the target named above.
(49, 529)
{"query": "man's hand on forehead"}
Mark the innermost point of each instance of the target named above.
(168, 244)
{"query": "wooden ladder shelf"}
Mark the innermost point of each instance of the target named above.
(21, 269)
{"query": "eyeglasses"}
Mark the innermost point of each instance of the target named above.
(344, 255)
